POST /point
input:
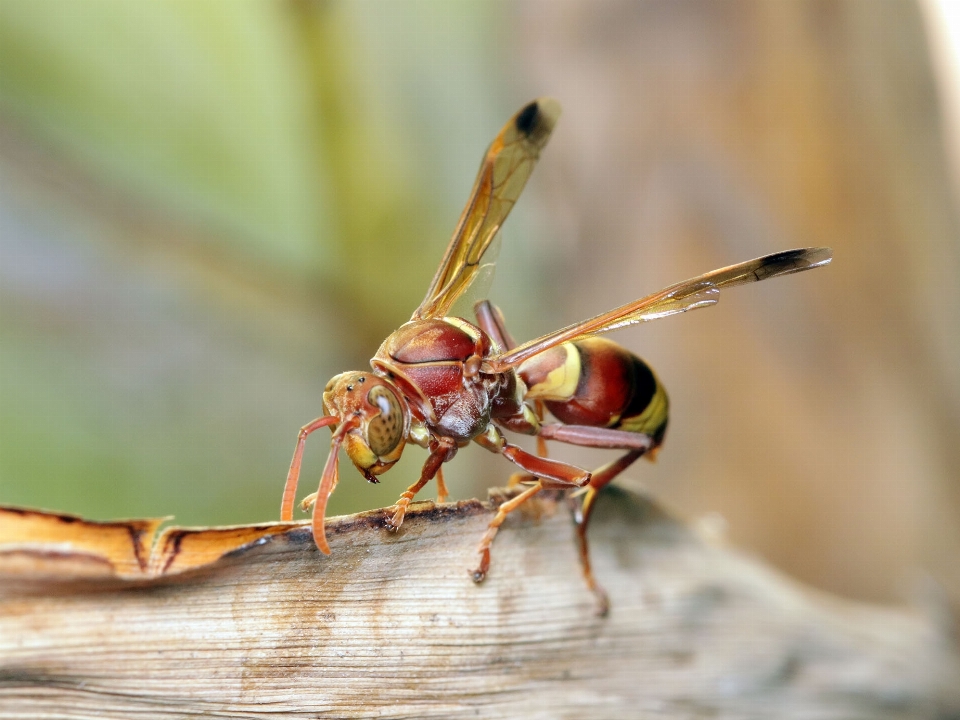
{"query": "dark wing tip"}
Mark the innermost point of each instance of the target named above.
(536, 119)
(527, 118)
(807, 257)
(792, 261)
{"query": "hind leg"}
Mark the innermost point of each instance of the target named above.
(637, 444)
(584, 510)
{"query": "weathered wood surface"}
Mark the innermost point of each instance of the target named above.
(392, 626)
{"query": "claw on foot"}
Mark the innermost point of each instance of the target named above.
(603, 602)
(481, 572)
(400, 511)
(393, 523)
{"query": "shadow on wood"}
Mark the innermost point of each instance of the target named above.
(255, 622)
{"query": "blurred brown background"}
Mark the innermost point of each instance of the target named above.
(207, 210)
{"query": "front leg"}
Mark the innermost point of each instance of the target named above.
(442, 449)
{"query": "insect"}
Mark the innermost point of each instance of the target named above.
(440, 382)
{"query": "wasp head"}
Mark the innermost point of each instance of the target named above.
(375, 418)
(370, 421)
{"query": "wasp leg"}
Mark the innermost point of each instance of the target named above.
(290, 488)
(505, 509)
(598, 437)
(600, 478)
(442, 493)
(637, 443)
(517, 479)
(441, 450)
(551, 474)
(491, 321)
(564, 474)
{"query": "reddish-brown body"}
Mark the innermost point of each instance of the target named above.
(435, 365)
(442, 382)
(602, 385)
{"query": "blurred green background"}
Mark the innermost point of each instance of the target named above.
(208, 209)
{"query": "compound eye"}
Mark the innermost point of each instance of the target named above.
(385, 431)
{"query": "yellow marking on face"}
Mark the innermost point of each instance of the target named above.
(359, 452)
(561, 382)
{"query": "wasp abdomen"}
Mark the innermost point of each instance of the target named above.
(596, 382)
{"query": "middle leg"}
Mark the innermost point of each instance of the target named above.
(545, 473)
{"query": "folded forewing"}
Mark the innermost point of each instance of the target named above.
(508, 163)
(687, 295)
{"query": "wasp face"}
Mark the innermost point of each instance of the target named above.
(379, 416)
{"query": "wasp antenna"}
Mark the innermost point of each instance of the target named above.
(293, 476)
(328, 483)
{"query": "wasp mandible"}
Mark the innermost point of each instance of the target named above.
(441, 382)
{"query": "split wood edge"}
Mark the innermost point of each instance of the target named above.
(715, 608)
(45, 544)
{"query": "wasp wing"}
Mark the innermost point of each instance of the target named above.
(691, 294)
(508, 163)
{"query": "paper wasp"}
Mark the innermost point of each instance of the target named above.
(441, 382)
